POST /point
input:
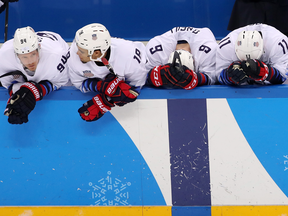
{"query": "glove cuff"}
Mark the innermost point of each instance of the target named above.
(264, 73)
(35, 89)
(112, 86)
(103, 104)
(155, 76)
(194, 81)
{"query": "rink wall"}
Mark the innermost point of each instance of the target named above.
(133, 20)
(214, 150)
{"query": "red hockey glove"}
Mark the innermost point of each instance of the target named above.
(124, 94)
(115, 88)
(109, 85)
(95, 108)
(172, 77)
(255, 69)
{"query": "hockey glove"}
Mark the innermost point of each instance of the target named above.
(22, 102)
(124, 94)
(109, 85)
(172, 77)
(255, 69)
(236, 73)
(94, 109)
(115, 88)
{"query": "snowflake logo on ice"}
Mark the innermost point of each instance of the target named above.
(110, 191)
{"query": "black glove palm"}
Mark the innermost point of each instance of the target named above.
(20, 104)
(236, 74)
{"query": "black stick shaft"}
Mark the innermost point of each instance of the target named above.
(6, 22)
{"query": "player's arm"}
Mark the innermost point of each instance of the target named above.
(175, 74)
(61, 76)
(259, 71)
(169, 76)
(124, 82)
(227, 65)
(207, 78)
(90, 84)
(206, 61)
(95, 108)
(113, 87)
(278, 62)
(274, 76)
(203, 79)
(233, 75)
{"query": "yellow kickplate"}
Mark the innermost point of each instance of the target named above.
(86, 211)
(276, 210)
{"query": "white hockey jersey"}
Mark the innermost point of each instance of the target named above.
(275, 45)
(127, 58)
(202, 43)
(51, 66)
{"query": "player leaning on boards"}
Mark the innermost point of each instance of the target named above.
(196, 48)
(32, 65)
(254, 54)
(88, 69)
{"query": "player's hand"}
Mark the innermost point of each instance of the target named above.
(182, 77)
(124, 94)
(109, 85)
(94, 109)
(255, 69)
(116, 89)
(236, 73)
(173, 77)
(13, 116)
(20, 104)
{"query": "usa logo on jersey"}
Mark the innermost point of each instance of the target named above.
(88, 73)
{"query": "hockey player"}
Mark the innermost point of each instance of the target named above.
(32, 66)
(90, 50)
(197, 49)
(254, 54)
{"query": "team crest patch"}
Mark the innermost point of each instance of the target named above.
(256, 44)
(88, 73)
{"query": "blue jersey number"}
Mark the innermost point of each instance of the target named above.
(137, 55)
(61, 65)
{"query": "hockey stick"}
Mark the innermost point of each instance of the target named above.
(6, 22)
(106, 63)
